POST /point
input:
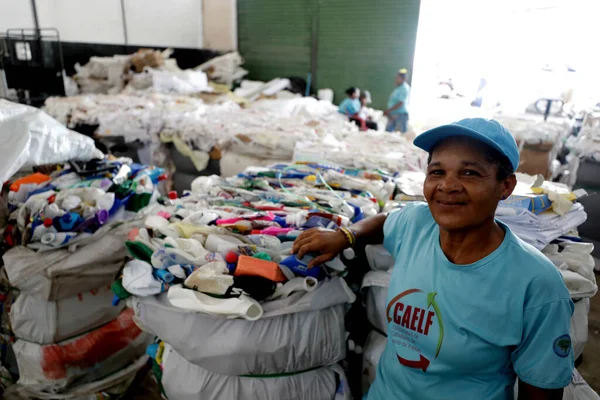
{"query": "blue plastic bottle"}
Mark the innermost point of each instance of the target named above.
(300, 266)
(67, 222)
(163, 275)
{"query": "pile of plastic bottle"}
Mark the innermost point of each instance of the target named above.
(231, 236)
(217, 262)
(74, 201)
(63, 246)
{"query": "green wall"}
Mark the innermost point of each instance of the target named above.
(346, 42)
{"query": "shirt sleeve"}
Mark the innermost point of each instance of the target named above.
(545, 356)
(400, 95)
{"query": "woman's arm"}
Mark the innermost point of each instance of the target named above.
(329, 244)
(528, 392)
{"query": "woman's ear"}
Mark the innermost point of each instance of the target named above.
(508, 185)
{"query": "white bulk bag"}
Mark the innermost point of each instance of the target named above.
(183, 380)
(379, 258)
(300, 332)
(374, 347)
(578, 389)
(29, 136)
(83, 359)
(61, 273)
(45, 322)
(114, 384)
(579, 326)
(375, 286)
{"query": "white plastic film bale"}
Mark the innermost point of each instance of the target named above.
(579, 326)
(300, 332)
(183, 380)
(325, 94)
(233, 163)
(83, 359)
(45, 322)
(61, 273)
(375, 287)
(29, 136)
(379, 258)
(374, 347)
(114, 385)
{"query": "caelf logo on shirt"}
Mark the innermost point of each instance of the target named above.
(416, 328)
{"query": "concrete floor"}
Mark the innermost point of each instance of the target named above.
(590, 367)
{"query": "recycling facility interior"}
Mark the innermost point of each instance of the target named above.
(203, 111)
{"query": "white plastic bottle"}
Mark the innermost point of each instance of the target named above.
(53, 211)
(57, 239)
(42, 229)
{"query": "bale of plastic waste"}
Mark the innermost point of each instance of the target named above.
(185, 381)
(115, 384)
(379, 258)
(303, 331)
(83, 359)
(375, 288)
(374, 347)
(579, 326)
(61, 273)
(39, 321)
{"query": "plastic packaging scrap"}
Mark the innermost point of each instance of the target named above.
(45, 322)
(267, 129)
(374, 347)
(74, 202)
(225, 248)
(83, 359)
(275, 343)
(115, 384)
(79, 205)
(31, 137)
(186, 381)
(586, 143)
(224, 69)
(369, 150)
(576, 264)
(217, 263)
(113, 74)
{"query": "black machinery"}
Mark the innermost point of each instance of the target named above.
(32, 61)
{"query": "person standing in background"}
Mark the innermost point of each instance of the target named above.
(397, 111)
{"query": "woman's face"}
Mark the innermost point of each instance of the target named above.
(461, 186)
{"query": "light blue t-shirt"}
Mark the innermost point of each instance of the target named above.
(467, 331)
(349, 106)
(401, 93)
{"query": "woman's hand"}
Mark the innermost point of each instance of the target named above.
(325, 242)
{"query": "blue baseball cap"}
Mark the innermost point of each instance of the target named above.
(487, 131)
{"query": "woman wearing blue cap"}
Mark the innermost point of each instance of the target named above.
(471, 307)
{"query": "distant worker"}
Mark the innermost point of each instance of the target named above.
(397, 111)
(350, 106)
